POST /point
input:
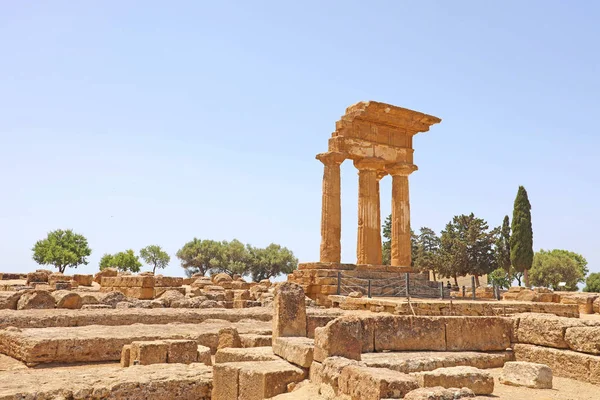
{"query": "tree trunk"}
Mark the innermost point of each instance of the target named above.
(433, 273)
(518, 278)
(154, 269)
(477, 284)
(455, 281)
(526, 278)
(61, 268)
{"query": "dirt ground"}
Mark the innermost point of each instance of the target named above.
(564, 389)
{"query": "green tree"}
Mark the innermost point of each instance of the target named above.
(269, 262)
(200, 256)
(155, 256)
(521, 241)
(107, 261)
(500, 278)
(592, 283)
(62, 249)
(467, 247)
(231, 258)
(126, 261)
(552, 267)
(386, 246)
(427, 251)
(503, 247)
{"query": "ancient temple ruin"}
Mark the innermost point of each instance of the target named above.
(378, 138)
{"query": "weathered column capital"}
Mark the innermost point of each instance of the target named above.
(331, 157)
(381, 174)
(369, 164)
(403, 169)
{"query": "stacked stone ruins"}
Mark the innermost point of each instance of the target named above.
(121, 336)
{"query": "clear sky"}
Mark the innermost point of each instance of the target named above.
(151, 122)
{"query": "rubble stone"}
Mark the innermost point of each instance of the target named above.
(148, 352)
(35, 299)
(182, 351)
(228, 355)
(367, 383)
(83, 280)
(229, 337)
(297, 350)
(531, 375)
(66, 299)
(439, 393)
(9, 300)
(341, 337)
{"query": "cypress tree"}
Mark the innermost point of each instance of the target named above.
(503, 246)
(521, 240)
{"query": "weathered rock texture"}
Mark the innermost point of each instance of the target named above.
(289, 317)
(479, 381)
(367, 383)
(439, 393)
(67, 299)
(531, 375)
(35, 299)
(152, 382)
(297, 350)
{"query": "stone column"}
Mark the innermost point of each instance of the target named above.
(401, 245)
(380, 175)
(331, 211)
(368, 249)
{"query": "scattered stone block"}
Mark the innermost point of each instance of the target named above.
(253, 381)
(66, 299)
(585, 302)
(439, 393)
(228, 355)
(531, 375)
(126, 356)
(229, 337)
(367, 383)
(38, 276)
(83, 280)
(341, 337)
(112, 298)
(297, 350)
(63, 285)
(479, 381)
(289, 318)
(35, 299)
(328, 372)
(252, 340)
(150, 352)
(204, 355)
(585, 339)
(221, 277)
(405, 333)
(181, 351)
(545, 330)
(107, 272)
(169, 296)
(9, 300)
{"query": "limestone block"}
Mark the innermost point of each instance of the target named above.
(439, 393)
(405, 333)
(596, 306)
(367, 383)
(328, 372)
(204, 355)
(61, 285)
(126, 356)
(545, 330)
(96, 307)
(112, 298)
(289, 317)
(150, 352)
(38, 276)
(160, 290)
(253, 340)
(83, 280)
(229, 337)
(585, 302)
(479, 381)
(67, 299)
(9, 300)
(241, 295)
(221, 277)
(341, 337)
(58, 277)
(35, 299)
(228, 355)
(107, 272)
(478, 333)
(584, 339)
(564, 363)
(170, 296)
(531, 375)
(297, 350)
(181, 351)
(253, 381)
(355, 295)
(167, 281)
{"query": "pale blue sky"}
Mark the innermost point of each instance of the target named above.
(146, 122)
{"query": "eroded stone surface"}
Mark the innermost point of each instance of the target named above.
(367, 383)
(35, 299)
(531, 375)
(297, 350)
(479, 381)
(289, 317)
(439, 393)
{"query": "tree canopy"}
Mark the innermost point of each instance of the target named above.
(62, 249)
(521, 241)
(552, 267)
(123, 261)
(426, 251)
(503, 246)
(467, 247)
(592, 283)
(233, 257)
(154, 256)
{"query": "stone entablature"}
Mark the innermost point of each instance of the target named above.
(378, 138)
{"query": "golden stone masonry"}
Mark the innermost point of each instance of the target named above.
(377, 137)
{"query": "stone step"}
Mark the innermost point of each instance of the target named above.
(368, 383)
(230, 354)
(104, 343)
(297, 350)
(479, 381)
(150, 382)
(409, 361)
(253, 380)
